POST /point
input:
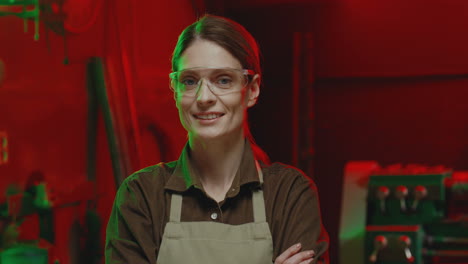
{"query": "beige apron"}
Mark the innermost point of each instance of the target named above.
(215, 243)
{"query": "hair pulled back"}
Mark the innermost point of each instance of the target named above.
(234, 38)
(226, 33)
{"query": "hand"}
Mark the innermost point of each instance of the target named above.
(293, 256)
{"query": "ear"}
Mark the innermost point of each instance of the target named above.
(253, 91)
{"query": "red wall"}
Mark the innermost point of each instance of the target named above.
(390, 85)
(391, 38)
(44, 110)
(44, 102)
(421, 119)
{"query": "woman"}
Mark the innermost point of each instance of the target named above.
(221, 201)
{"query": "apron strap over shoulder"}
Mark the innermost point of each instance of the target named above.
(176, 207)
(258, 206)
(258, 200)
(259, 171)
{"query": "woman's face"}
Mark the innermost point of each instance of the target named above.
(206, 115)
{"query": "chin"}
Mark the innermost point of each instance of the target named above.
(209, 136)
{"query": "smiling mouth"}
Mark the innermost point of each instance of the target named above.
(208, 116)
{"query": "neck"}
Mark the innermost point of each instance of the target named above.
(216, 162)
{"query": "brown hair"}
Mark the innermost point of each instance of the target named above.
(236, 40)
(226, 33)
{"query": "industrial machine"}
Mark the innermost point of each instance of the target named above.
(33, 215)
(413, 214)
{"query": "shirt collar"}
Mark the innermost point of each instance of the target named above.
(184, 176)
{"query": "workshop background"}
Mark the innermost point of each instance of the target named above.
(85, 101)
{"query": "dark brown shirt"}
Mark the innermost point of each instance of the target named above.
(142, 204)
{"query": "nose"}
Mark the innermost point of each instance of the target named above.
(205, 95)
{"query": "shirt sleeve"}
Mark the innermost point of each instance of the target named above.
(303, 224)
(129, 236)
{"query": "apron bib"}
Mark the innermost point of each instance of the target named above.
(214, 243)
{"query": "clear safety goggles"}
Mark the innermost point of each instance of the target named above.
(219, 80)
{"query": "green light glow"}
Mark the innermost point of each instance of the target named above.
(353, 233)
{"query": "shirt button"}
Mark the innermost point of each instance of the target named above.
(214, 216)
